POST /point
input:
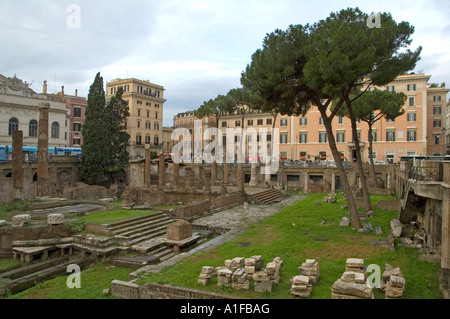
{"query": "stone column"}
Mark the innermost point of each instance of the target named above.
(207, 190)
(226, 173)
(176, 175)
(305, 190)
(147, 167)
(241, 179)
(388, 180)
(267, 174)
(253, 175)
(17, 164)
(161, 171)
(213, 172)
(42, 164)
(333, 182)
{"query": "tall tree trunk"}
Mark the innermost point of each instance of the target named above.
(359, 163)
(337, 158)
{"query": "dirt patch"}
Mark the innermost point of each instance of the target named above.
(344, 250)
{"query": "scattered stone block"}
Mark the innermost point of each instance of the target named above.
(263, 286)
(351, 290)
(345, 222)
(179, 230)
(240, 280)
(301, 287)
(310, 268)
(224, 277)
(2, 222)
(106, 291)
(55, 219)
(396, 227)
(20, 220)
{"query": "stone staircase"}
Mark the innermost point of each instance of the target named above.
(133, 231)
(268, 197)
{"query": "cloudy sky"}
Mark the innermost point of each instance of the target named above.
(196, 49)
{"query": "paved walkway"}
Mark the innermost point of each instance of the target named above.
(236, 218)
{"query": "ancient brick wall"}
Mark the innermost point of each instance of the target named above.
(129, 290)
(8, 235)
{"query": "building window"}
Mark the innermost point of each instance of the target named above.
(340, 120)
(147, 139)
(374, 136)
(340, 137)
(148, 126)
(411, 136)
(77, 127)
(390, 88)
(322, 137)
(390, 136)
(283, 138)
(303, 138)
(284, 121)
(269, 122)
(139, 123)
(437, 139)
(224, 124)
(13, 126)
(303, 121)
(412, 101)
(55, 130)
(156, 126)
(437, 123)
(139, 89)
(77, 112)
(139, 112)
(76, 141)
(237, 123)
(33, 128)
(437, 98)
(138, 139)
(437, 110)
(260, 122)
(250, 123)
(412, 117)
(411, 87)
(156, 106)
(156, 140)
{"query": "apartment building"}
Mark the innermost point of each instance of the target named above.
(417, 132)
(436, 119)
(447, 129)
(146, 104)
(19, 110)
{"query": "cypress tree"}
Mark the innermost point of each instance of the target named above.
(97, 152)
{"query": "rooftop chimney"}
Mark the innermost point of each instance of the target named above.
(62, 90)
(76, 92)
(44, 89)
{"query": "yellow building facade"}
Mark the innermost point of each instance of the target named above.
(146, 105)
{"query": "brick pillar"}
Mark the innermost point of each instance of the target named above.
(176, 175)
(147, 167)
(207, 190)
(42, 164)
(226, 173)
(17, 164)
(241, 179)
(162, 171)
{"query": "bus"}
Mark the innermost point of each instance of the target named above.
(30, 152)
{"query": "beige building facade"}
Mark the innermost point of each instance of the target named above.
(19, 110)
(146, 105)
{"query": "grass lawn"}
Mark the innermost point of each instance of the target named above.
(107, 217)
(296, 234)
(93, 281)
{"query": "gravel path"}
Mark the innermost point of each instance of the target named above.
(239, 217)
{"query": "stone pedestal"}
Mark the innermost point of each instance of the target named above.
(55, 219)
(226, 173)
(20, 220)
